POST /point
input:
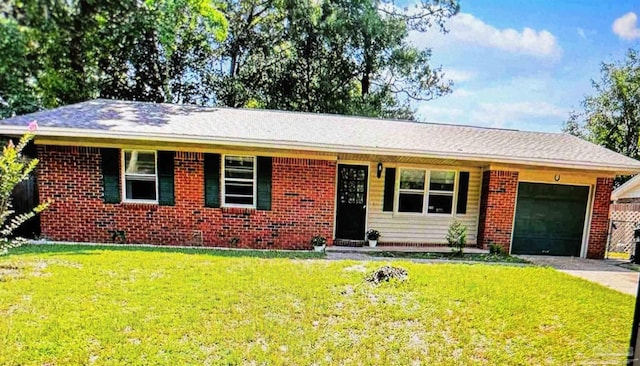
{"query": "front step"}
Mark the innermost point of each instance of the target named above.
(349, 243)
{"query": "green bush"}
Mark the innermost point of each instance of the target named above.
(457, 237)
(497, 249)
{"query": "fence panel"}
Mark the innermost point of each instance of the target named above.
(621, 243)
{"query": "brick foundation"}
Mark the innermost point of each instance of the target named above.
(303, 195)
(497, 205)
(600, 219)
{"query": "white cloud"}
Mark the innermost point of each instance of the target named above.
(467, 28)
(518, 113)
(626, 27)
(581, 33)
(458, 76)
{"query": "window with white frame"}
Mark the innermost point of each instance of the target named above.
(413, 190)
(140, 176)
(441, 184)
(411, 193)
(239, 181)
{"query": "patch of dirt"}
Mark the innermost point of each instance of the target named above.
(10, 272)
(386, 273)
(356, 268)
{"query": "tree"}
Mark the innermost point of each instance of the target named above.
(70, 51)
(611, 117)
(332, 56)
(14, 168)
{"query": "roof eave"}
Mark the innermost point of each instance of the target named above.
(621, 169)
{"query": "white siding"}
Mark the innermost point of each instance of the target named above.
(402, 227)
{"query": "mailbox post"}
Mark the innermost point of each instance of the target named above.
(634, 346)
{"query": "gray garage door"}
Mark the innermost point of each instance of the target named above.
(549, 219)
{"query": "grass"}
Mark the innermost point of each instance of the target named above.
(476, 257)
(49, 249)
(64, 305)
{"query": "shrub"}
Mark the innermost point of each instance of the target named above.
(457, 237)
(14, 168)
(496, 249)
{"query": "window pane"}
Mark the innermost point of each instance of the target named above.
(408, 202)
(238, 167)
(442, 181)
(241, 188)
(412, 179)
(137, 162)
(141, 189)
(239, 200)
(439, 203)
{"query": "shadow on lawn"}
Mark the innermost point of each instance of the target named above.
(87, 249)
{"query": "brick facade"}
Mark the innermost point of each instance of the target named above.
(303, 196)
(600, 219)
(497, 205)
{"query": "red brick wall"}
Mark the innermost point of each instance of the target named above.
(303, 195)
(600, 219)
(497, 205)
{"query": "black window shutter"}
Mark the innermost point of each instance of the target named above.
(264, 183)
(212, 180)
(165, 178)
(389, 188)
(463, 192)
(110, 175)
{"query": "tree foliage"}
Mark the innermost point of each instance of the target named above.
(611, 116)
(14, 168)
(332, 56)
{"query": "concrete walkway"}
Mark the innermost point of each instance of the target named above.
(603, 271)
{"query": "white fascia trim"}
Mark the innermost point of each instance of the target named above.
(280, 144)
(625, 187)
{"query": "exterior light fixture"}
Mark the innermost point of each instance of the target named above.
(379, 172)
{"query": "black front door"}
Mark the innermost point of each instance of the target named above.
(352, 201)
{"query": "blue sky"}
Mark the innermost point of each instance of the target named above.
(525, 64)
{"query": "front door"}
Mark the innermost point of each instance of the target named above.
(352, 201)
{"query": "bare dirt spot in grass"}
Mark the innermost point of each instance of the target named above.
(10, 272)
(387, 273)
(356, 268)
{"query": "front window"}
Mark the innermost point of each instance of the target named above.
(441, 192)
(140, 179)
(411, 195)
(239, 181)
(413, 189)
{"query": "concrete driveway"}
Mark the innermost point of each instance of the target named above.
(605, 272)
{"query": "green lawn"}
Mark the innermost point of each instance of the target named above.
(79, 305)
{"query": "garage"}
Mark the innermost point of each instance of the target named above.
(549, 219)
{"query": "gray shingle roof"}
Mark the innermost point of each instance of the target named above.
(306, 131)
